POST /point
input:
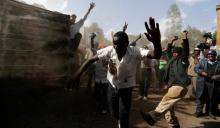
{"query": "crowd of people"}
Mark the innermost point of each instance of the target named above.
(115, 68)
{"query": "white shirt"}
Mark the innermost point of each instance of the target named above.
(100, 72)
(74, 28)
(126, 68)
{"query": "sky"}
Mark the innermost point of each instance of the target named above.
(112, 14)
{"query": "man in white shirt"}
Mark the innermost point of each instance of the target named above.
(122, 62)
(74, 41)
(75, 35)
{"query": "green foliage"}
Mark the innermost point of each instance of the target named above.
(195, 37)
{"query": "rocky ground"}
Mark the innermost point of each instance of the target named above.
(31, 105)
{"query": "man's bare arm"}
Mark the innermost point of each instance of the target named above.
(86, 64)
(133, 43)
(138, 38)
(92, 5)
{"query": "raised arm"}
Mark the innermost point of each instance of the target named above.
(125, 27)
(172, 43)
(85, 65)
(170, 46)
(185, 45)
(154, 36)
(92, 37)
(92, 5)
(133, 43)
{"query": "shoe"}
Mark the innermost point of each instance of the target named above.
(104, 111)
(212, 116)
(145, 98)
(175, 126)
(148, 118)
(198, 114)
(139, 97)
(65, 89)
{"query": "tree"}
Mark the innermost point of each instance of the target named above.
(174, 21)
(195, 37)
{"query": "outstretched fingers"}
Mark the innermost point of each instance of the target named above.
(153, 30)
(157, 27)
(146, 26)
(152, 23)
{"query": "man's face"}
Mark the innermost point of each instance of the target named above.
(211, 57)
(205, 51)
(72, 19)
(119, 44)
(195, 54)
(175, 55)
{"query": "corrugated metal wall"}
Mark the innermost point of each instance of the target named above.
(32, 41)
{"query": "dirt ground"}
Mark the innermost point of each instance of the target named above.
(32, 105)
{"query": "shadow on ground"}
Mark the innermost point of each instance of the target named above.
(31, 104)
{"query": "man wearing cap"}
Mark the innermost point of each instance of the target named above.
(209, 41)
(207, 82)
(193, 60)
(177, 79)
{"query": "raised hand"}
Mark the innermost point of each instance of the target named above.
(184, 34)
(92, 5)
(92, 36)
(153, 32)
(125, 26)
(154, 36)
(173, 40)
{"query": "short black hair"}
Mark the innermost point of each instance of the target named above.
(208, 34)
(122, 35)
(177, 49)
(212, 52)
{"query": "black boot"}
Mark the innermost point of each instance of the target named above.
(212, 116)
(148, 118)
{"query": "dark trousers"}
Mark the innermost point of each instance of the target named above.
(74, 43)
(145, 81)
(120, 104)
(100, 91)
(206, 98)
(200, 100)
(72, 57)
